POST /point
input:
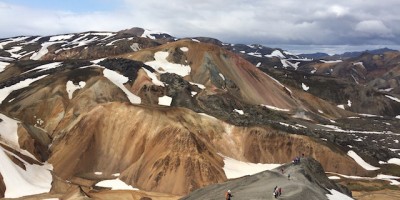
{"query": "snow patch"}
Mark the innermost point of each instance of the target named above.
(71, 87)
(60, 37)
(222, 76)
(258, 64)
(164, 101)
(275, 108)
(115, 184)
(334, 177)
(335, 195)
(43, 51)
(184, 49)
(4, 92)
(45, 67)
(239, 111)
(393, 98)
(305, 87)
(98, 173)
(235, 168)
(162, 65)
(153, 77)
(395, 161)
(119, 81)
(349, 103)
(3, 66)
(360, 161)
(276, 53)
(340, 106)
(331, 61)
(195, 40)
(201, 86)
(19, 182)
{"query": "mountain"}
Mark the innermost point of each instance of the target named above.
(85, 112)
(318, 55)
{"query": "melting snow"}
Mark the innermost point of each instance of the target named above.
(275, 108)
(71, 87)
(8, 130)
(43, 51)
(165, 101)
(331, 61)
(305, 87)
(148, 34)
(360, 161)
(184, 49)
(193, 93)
(60, 37)
(359, 63)
(115, 184)
(97, 61)
(395, 161)
(153, 77)
(235, 168)
(19, 182)
(162, 65)
(45, 67)
(119, 81)
(116, 174)
(3, 66)
(239, 111)
(4, 92)
(201, 86)
(222, 76)
(393, 98)
(10, 40)
(276, 53)
(335, 195)
(340, 106)
(13, 50)
(378, 177)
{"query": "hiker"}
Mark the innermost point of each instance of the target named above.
(276, 193)
(282, 170)
(288, 177)
(279, 191)
(228, 195)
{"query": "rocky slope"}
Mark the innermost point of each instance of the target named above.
(307, 181)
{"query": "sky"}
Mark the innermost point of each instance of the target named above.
(325, 24)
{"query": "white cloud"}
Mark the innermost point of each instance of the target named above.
(373, 27)
(240, 21)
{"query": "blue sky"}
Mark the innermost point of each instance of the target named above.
(285, 22)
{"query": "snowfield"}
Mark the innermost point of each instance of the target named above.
(19, 182)
(162, 65)
(235, 168)
(115, 184)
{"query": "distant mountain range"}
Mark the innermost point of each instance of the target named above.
(346, 55)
